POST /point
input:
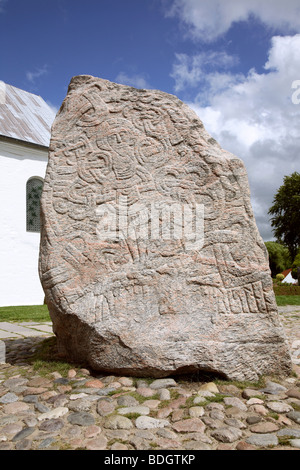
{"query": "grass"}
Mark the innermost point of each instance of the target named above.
(45, 368)
(283, 300)
(132, 415)
(46, 359)
(38, 313)
(284, 441)
(243, 384)
(141, 398)
(273, 415)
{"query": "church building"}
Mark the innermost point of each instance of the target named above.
(25, 128)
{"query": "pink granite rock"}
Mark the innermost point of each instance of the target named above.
(150, 257)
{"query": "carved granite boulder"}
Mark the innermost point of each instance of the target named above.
(150, 257)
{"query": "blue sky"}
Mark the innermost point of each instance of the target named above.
(234, 62)
(49, 41)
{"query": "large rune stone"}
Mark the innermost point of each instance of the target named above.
(150, 257)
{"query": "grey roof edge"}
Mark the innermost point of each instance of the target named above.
(25, 116)
(12, 140)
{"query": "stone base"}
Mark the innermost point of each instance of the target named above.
(174, 348)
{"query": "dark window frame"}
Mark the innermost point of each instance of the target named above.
(34, 187)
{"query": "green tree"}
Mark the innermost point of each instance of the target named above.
(296, 268)
(279, 257)
(286, 213)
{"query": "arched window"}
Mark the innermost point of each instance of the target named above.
(34, 189)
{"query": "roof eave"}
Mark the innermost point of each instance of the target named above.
(5, 138)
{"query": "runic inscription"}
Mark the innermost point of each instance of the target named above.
(150, 257)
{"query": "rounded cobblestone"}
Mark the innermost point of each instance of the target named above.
(80, 409)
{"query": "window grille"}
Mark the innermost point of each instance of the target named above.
(34, 189)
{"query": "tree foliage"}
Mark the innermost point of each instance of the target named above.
(295, 267)
(285, 213)
(279, 257)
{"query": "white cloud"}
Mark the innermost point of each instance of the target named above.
(37, 73)
(208, 20)
(190, 71)
(254, 117)
(135, 80)
(53, 107)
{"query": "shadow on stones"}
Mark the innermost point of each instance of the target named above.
(21, 350)
(45, 350)
(203, 376)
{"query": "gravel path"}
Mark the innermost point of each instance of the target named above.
(81, 410)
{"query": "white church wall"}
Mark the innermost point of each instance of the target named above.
(19, 249)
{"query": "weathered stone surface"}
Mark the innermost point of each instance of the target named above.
(105, 408)
(273, 388)
(190, 425)
(54, 414)
(227, 434)
(135, 280)
(233, 401)
(51, 425)
(279, 407)
(264, 428)
(146, 422)
(295, 416)
(80, 405)
(81, 418)
(118, 422)
(9, 398)
(295, 443)
(162, 383)
(293, 393)
(24, 433)
(99, 443)
(262, 440)
(289, 432)
(196, 411)
(15, 408)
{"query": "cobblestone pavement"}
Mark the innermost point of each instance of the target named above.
(76, 409)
